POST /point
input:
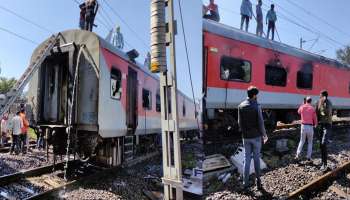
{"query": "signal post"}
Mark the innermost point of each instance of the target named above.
(163, 36)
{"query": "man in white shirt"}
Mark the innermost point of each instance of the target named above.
(17, 125)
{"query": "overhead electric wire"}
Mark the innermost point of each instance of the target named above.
(318, 18)
(19, 36)
(315, 30)
(26, 20)
(188, 62)
(126, 24)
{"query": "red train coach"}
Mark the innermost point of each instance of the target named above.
(234, 60)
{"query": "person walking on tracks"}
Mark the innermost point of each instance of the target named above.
(16, 127)
(308, 122)
(324, 114)
(251, 124)
(271, 19)
(246, 13)
(259, 19)
(91, 11)
(213, 10)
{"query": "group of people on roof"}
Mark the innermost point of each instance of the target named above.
(211, 11)
(88, 11)
(251, 124)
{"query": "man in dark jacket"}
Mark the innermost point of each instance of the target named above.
(91, 11)
(324, 115)
(251, 123)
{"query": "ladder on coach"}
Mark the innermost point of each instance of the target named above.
(28, 73)
(128, 147)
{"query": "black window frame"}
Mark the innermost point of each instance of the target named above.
(240, 59)
(115, 77)
(149, 107)
(278, 68)
(158, 102)
(304, 73)
(184, 108)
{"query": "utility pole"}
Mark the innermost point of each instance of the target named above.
(163, 35)
(301, 43)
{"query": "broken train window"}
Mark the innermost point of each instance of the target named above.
(275, 75)
(235, 69)
(146, 99)
(116, 84)
(304, 80)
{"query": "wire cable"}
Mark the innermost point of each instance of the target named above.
(19, 36)
(188, 62)
(126, 24)
(26, 20)
(317, 17)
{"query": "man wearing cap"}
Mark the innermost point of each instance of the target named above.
(308, 122)
(324, 115)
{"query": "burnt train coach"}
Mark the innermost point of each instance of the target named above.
(111, 103)
(234, 60)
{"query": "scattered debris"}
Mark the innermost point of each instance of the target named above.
(238, 160)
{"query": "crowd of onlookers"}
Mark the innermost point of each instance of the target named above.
(17, 129)
(314, 119)
(211, 11)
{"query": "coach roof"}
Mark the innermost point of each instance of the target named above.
(236, 34)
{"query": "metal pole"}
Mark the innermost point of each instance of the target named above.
(172, 173)
(301, 43)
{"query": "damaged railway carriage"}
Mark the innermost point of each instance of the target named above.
(111, 103)
(234, 60)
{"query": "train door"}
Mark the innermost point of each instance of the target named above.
(131, 99)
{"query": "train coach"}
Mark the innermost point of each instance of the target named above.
(234, 60)
(110, 102)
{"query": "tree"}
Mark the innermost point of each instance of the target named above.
(6, 84)
(343, 55)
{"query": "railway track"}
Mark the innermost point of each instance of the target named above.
(48, 183)
(322, 182)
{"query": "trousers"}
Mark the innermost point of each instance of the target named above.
(252, 148)
(306, 132)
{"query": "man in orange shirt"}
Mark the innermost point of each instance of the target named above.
(214, 11)
(24, 130)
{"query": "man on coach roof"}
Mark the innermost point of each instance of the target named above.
(251, 123)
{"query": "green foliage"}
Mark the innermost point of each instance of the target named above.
(6, 84)
(343, 55)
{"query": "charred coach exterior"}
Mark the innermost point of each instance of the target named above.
(111, 103)
(234, 60)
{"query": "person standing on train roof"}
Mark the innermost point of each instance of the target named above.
(259, 19)
(82, 16)
(91, 11)
(324, 114)
(251, 124)
(246, 13)
(271, 19)
(213, 10)
(16, 127)
(308, 122)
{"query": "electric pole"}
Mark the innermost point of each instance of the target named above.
(163, 35)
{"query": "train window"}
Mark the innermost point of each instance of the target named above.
(184, 108)
(146, 99)
(276, 76)
(349, 88)
(234, 69)
(304, 80)
(158, 106)
(116, 84)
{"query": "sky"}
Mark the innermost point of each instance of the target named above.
(302, 12)
(55, 16)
